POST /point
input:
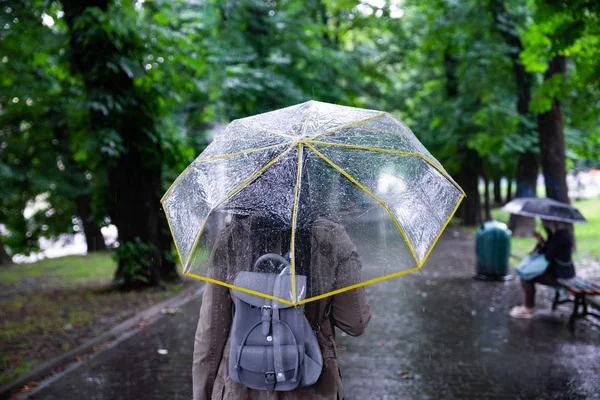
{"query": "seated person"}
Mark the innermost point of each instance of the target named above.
(558, 249)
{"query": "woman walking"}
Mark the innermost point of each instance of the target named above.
(325, 247)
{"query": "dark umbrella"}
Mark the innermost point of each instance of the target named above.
(545, 209)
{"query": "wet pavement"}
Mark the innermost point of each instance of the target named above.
(435, 334)
(439, 334)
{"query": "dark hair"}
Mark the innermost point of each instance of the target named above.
(270, 237)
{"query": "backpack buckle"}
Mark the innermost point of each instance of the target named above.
(266, 315)
(270, 377)
(266, 309)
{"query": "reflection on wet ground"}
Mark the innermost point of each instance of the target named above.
(435, 334)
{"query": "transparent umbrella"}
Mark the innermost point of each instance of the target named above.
(361, 176)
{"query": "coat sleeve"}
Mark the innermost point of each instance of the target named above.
(350, 309)
(559, 247)
(211, 336)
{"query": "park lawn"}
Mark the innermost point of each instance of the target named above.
(52, 306)
(62, 271)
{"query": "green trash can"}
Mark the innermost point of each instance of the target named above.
(492, 247)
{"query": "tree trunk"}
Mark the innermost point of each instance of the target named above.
(527, 172)
(168, 268)
(470, 208)
(93, 234)
(467, 178)
(135, 173)
(135, 213)
(325, 23)
(486, 198)
(509, 190)
(497, 191)
(527, 167)
(552, 140)
(5, 259)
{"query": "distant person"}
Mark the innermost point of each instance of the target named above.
(558, 249)
(328, 258)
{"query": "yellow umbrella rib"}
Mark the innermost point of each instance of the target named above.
(207, 159)
(181, 175)
(429, 161)
(443, 228)
(390, 151)
(365, 283)
(341, 171)
(237, 153)
(305, 125)
(241, 289)
(231, 193)
(338, 291)
(254, 175)
(173, 235)
(196, 241)
(360, 121)
(294, 218)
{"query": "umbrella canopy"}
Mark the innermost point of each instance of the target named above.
(544, 208)
(361, 170)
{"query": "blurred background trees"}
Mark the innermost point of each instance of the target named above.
(104, 102)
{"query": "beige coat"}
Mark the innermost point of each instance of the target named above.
(350, 312)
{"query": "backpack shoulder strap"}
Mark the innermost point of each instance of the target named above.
(317, 327)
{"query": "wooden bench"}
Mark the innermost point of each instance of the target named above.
(579, 301)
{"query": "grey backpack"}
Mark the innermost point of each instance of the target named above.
(272, 345)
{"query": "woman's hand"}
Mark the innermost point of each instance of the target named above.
(540, 239)
(541, 243)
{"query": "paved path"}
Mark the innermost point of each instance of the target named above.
(437, 334)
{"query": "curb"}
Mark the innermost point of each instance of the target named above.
(45, 374)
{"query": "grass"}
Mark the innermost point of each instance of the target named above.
(35, 328)
(587, 235)
(51, 306)
(69, 270)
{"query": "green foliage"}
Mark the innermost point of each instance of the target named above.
(133, 258)
(461, 92)
(177, 68)
(79, 97)
(154, 48)
(267, 55)
(552, 89)
(38, 103)
(132, 62)
(571, 29)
